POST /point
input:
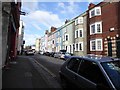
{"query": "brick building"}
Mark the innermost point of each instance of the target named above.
(104, 29)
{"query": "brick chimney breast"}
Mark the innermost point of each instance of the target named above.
(91, 5)
(53, 29)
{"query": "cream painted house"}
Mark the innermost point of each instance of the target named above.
(80, 38)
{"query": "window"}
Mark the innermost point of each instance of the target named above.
(113, 70)
(91, 71)
(79, 21)
(70, 48)
(53, 42)
(81, 33)
(99, 44)
(92, 29)
(74, 64)
(93, 45)
(95, 12)
(96, 28)
(81, 46)
(76, 34)
(92, 13)
(66, 48)
(96, 45)
(76, 48)
(66, 37)
(76, 21)
(98, 11)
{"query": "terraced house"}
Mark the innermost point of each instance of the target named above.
(51, 39)
(68, 35)
(58, 39)
(80, 39)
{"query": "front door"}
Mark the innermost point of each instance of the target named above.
(109, 47)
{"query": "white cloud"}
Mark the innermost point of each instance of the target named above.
(61, 4)
(30, 38)
(36, 26)
(71, 8)
(46, 18)
(30, 6)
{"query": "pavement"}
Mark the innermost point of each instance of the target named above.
(22, 74)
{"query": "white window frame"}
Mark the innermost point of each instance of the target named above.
(96, 32)
(76, 49)
(81, 29)
(80, 20)
(76, 33)
(96, 45)
(95, 11)
(91, 45)
(91, 28)
(68, 37)
(79, 46)
(76, 21)
(100, 27)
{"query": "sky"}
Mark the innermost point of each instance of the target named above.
(41, 15)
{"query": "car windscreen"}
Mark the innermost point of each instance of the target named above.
(113, 71)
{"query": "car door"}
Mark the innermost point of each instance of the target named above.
(84, 75)
(90, 75)
(72, 68)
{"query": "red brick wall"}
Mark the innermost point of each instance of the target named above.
(110, 19)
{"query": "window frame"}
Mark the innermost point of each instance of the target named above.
(81, 29)
(81, 46)
(76, 33)
(68, 37)
(96, 45)
(91, 47)
(96, 28)
(95, 12)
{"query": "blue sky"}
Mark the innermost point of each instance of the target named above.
(42, 15)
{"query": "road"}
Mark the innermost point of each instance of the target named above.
(35, 71)
(49, 64)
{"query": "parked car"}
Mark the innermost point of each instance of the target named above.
(65, 55)
(46, 53)
(52, 54)
(41, 52)
(29, 52)
(56, 55)
(91, 72)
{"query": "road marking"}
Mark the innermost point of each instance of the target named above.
(53, 75)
